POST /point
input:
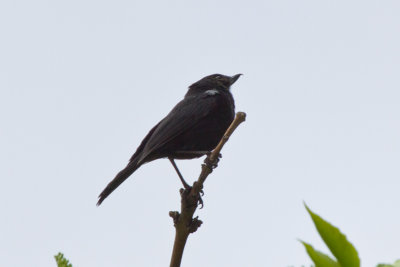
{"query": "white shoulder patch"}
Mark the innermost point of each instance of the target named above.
(212, 92)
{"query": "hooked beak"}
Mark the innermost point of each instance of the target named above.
(234, 78)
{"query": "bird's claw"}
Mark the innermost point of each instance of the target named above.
(201, 192)
(185, 192)
(200, 201)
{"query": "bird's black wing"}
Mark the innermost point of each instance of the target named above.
(182, 117)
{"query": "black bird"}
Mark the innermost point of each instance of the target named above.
(192, 128)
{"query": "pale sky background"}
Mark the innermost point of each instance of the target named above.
(82, 82)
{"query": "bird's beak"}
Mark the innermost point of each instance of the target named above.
(235, 77)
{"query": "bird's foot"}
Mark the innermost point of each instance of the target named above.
(199, 200)
(186, 185)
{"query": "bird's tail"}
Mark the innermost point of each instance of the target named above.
(119, 179)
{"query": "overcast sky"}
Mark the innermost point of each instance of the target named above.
(82, 82)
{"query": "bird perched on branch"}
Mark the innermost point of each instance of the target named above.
(192, 129)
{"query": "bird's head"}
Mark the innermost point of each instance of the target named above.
(216, 81)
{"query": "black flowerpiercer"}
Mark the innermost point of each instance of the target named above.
(192, 128)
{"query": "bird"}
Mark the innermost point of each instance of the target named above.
(191, 129)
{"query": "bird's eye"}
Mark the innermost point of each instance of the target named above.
(218, 77)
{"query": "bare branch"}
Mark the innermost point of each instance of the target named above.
(184, 222)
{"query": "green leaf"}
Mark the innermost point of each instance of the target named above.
(320, 259)
(396, 264)
(61, 261)
(337, 242)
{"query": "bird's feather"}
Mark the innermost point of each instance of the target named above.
(182, 117)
